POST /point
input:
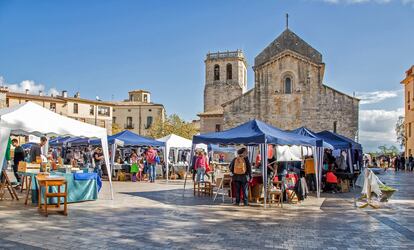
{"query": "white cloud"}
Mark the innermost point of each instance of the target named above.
(377, 127)
(30, 85)
(377, 96)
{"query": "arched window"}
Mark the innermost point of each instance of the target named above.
(229, 71)
(288, 85)
(216, 72)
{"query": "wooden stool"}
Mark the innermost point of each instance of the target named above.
(46, 182)
(275, 195)
(203, 188)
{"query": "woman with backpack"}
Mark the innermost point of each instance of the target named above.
(241, 171)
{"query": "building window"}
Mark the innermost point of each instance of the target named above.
(130, 98)
(335, 126)
(409, 129)
(218, 127)
(145, 98)
(288, 85)
(52, 106)
(103, 111)
(129, 124)
(229, 71)
(7, 102)
(149, 122)
(75, 108)
(216, 72)
(91, 109)
(114, 120)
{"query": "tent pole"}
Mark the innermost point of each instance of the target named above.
(166, 161)
(188, 166)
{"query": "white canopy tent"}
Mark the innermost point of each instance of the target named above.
(174, 141)
(30, 118)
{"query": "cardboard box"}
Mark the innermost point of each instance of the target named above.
(24, 166)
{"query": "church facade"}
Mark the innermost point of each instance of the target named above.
(288, 90)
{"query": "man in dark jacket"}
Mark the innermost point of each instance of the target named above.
(241, 179)
(36, 149)
(18, 157)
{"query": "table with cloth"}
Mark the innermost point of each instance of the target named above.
(81, 186)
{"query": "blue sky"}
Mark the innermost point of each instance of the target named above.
(106, 48)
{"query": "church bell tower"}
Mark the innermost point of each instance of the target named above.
(226, 78)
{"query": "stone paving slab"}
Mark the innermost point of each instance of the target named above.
(157, 216)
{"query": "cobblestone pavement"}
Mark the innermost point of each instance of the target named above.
(157, 216)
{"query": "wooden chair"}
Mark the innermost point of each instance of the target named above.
(291, 194)
(5, 183)
(46, 182)
(275, 194)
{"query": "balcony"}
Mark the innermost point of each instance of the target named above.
(129, 126)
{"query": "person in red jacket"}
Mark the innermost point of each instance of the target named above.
(201, 166)
(331, 181)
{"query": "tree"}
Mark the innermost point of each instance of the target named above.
(172, 125)
(116, 128)
(389, 151)
(400, 131)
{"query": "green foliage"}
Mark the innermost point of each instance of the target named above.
(400, 131)
(172, 125)
(389, 151)
(116, 128)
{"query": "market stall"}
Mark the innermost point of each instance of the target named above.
(256, 132)
(174, 143)
(30, 118)
(127, 138)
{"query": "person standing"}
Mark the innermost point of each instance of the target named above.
(18, 157)
(241, 171)
(98, 158)
(201, 166)
(410, 162)
(310, 173)
(151, 156)
(37, 149)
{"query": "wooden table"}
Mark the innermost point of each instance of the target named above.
(46, 182)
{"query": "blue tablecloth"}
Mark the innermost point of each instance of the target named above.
(81, 187)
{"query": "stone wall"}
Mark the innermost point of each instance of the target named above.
(311, 104)
(208, 123)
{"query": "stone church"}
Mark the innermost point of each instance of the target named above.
(288, 90)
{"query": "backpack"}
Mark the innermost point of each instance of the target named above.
(240, 166)
(151, 154)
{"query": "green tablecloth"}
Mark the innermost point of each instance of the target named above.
(78, 190)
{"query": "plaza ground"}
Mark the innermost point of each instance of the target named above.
(157, 216)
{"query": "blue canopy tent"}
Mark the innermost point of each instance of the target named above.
(28, 145)
(352, 148)
(58, 141)
(309, 133)
(334, 140)
(354, 145)
(130, 139)
(256, 132)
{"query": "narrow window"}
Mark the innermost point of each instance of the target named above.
(129, 123)
(229, 71)
(91, 110)
(145, 98)
(334, 126)
(149, 122)
(7, 102)
(218, 127)
(52, 107)
(114, 119)
(409, 129)
(75, 108)
(288, 85)
(216, 72)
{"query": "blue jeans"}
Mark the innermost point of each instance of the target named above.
(98, 170)
(200, 174)
(152, 172)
